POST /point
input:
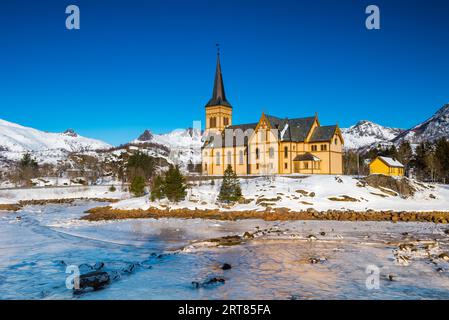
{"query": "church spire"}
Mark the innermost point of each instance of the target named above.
(218, 94)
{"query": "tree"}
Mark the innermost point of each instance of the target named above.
(442, 159)
(405, 154)
(27, 169)
(138, 186)
(175, 184)
(140, 164)
(158, 188)
(230, 190)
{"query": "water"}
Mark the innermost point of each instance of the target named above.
(168, 255)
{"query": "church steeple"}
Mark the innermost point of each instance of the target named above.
(218, 94)
(218, 109)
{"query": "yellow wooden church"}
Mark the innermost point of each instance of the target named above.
(272, 145)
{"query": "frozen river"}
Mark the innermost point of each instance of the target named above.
(159, 259)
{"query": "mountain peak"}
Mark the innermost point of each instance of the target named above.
(145, 136)
(70, 133)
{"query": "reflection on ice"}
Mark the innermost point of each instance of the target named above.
(160, 259)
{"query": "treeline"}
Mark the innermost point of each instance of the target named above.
(428, 162)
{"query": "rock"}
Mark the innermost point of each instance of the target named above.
(95, 280)
(406, 247)
(130, 268)
(85, 268)
(322, 233)
(98, 265)
(313, 260)
(248, 235)
(390, 277)
(311, 237)
(444, 256)
(226, 266)
(209, 282)
(402, 186)
(431, 196)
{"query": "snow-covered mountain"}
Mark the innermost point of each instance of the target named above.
(15, 140)
(365, 133)
(433, 128)
(184, 144)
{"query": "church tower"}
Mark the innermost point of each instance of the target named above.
(218, 109)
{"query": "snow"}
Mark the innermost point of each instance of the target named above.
(15, 140)
(14, 195)
(366, 133)
(391, 162)
(283, 193)
(184, 144)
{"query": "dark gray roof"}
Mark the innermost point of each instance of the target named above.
(296, 130)
(306, 157)
(323, 133)
(218, 94)
(236, 142)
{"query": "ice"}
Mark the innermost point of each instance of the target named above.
(152, 260)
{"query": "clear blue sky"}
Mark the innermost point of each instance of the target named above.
(150, 64)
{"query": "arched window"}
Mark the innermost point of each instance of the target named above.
(225, 121)
(229, 157)
(241, 157)
(286, 152)
(257, 153)
(217, 158)
(205, 167)
(271, 152)
(213, 122)
(335, 141)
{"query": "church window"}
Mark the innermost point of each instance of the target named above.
(314, 147)
(271, 152)
(335, 141)
(257, 153)
(217, 159)
(213, 122)
(229, 157)
(323, 147)
(225, 121)
(286, 165)
(241, 157)
(286, 152)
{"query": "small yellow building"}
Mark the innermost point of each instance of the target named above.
(386, 166)
(272, 145)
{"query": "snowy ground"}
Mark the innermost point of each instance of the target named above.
(302, 192)
(10, 196)
(159, 259)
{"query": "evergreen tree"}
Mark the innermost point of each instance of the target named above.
(405, 153)
(175, 184)
(140, 164)
(230, 190)
(158, 188)
(27, 169)
(137, 186)
(442, 159)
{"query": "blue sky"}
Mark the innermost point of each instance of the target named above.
(150, 64)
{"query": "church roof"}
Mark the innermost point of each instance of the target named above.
(294, 130)
(324, 133)
(218, 94)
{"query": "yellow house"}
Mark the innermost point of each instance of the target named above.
(272, 145)
(386, 166)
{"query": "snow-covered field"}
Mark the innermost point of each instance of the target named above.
(302, 192)
(167, 258)
(10, 196)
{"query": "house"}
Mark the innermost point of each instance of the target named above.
(272, 145)
(387, 166)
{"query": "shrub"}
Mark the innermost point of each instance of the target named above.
(112, 188)
(158, 188)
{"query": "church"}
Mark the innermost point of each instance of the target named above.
(272, 145)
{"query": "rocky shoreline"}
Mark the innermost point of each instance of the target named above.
(22, 203)
(270, 214)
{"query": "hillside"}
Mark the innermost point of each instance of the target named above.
(47, 147)
(366, 133)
